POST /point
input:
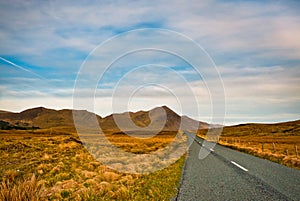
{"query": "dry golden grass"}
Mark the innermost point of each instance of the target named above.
(66, 171)
(25, 189)
(280, 150)
(141, 145)
(276, 142)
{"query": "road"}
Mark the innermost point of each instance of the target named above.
(226, 174)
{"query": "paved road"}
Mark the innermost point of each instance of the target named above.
(226, 174)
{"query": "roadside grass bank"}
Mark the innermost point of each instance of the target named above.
(278, 143)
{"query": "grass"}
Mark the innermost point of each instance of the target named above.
(24, 189)
(279, 143)
(54, 165)
(141, 145)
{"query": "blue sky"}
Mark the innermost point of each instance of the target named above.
(254, 44)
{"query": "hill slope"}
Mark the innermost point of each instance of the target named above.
(255, 129)
(47, 118)
(42, 117)
(158, 115)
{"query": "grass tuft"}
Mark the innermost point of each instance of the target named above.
(22, 189)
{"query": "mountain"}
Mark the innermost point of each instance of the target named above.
(47, 118)
(291, 128)
(42, 117)
(159, 115)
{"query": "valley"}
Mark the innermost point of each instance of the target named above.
(41, 148)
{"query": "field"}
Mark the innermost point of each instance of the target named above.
(50, 164)
(276, 142)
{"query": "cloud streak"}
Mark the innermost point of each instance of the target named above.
(255, 45)
(22, 68)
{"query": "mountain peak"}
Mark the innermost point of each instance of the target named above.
(45, 118)
(31, 113)
(166, 108)
(36, 109)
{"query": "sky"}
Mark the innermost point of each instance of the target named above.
(254, 47)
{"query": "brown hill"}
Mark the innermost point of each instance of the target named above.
(159, 114)
(256, 129)
(142, 119)
(42, 117)
(47, 118)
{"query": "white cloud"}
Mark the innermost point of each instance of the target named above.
(260, 40)
(220, 26)
(19, 104)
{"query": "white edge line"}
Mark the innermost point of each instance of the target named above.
(234, 163)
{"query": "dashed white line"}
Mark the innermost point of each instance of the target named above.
(234, 163)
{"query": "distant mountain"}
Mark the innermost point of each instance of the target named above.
(159, 114)
(263, 129)
(42, 117)
(46, 118)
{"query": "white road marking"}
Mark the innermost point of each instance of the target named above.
(234, 163)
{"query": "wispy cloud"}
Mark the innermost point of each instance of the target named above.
(21, 68)
(255, 44)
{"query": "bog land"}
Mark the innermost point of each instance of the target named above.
(278, 142)
(53, 164)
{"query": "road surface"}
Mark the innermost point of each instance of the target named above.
(227, 174)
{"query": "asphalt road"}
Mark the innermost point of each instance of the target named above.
(227, 174)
